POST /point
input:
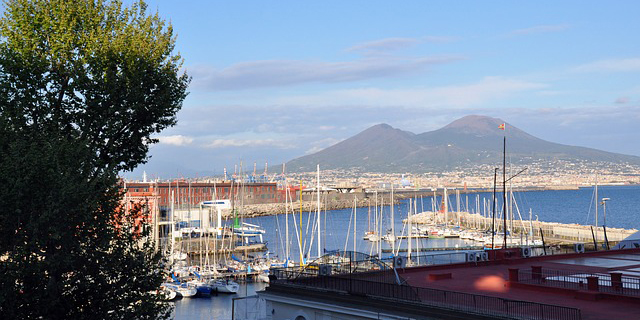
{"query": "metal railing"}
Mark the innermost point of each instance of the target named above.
(578, 280)
(380, 270)
(433, 258)
(456, 301)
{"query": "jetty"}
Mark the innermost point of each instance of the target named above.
(552, 232)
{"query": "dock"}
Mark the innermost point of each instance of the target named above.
(195, 247)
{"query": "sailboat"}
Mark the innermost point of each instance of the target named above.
(371, 234)
(166, 293)
(183, 289)
(391, 234)
(224, 285)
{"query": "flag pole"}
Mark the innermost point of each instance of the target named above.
(504, 184)
(504, 188)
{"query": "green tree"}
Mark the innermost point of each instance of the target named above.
(83, 86)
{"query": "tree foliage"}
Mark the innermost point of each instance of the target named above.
(83, 86)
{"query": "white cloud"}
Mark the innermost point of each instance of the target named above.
(274, 73)
(176, 140)
(391, 44)
(461, 96)
(539, 29)
(223, 143)
(611, 65)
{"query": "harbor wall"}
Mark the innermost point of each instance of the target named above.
(552, 231)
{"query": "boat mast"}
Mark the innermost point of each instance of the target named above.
(379, 230)
(478, 212)
(446, 208)
(355, 221)
(433, 203)
(286, 215)
(200, 243)
(493, 219)
(409, 228)
(393, 230)
(242, 194)
(458, 206)
(375, 216)
(415, 211)
(596, 203)
(300, 234)
(173, 225)
(318, 216)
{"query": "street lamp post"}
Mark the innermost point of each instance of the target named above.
(604, 223)
(604, 210)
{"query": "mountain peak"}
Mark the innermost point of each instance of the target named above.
(468, 141)
(383, 129)
(380, 126)
(476, 124)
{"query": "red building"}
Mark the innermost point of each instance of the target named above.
(192, 193)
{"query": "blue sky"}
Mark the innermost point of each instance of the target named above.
(275, 80)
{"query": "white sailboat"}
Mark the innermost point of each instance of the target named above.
(165, 293)
(183, 289)
(224, 285)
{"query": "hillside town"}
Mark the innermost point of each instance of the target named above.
(555, 174)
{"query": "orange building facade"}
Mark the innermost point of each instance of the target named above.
(192, 193)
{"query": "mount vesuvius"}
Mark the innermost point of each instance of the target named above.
(471, 140)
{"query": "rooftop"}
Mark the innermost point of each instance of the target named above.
(554, 280)
(594, 285)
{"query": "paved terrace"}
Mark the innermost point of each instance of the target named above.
(581, 281)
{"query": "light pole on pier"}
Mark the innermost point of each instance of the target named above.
(604, 210)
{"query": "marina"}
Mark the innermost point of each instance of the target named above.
(340, 231)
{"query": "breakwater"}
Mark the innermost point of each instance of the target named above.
(553, 232)
(335, 201)
(268, 209)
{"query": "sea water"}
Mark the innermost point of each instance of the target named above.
(215, 307)
(337, 226)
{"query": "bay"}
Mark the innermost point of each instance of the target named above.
(564, 206)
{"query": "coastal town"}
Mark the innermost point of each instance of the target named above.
(552, 174)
